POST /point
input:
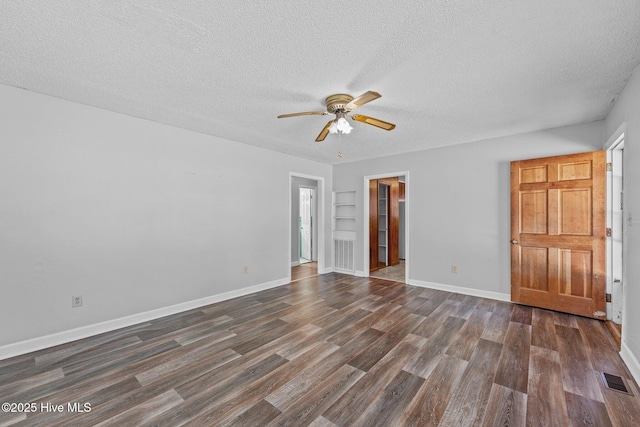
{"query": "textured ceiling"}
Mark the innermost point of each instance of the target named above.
(449, 72)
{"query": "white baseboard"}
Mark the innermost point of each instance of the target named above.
(631, 361)
(339, 270)
(34, 344)
(460, 290)
(295, 263)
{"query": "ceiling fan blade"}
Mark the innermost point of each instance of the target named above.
(308, 113)
(362, 99)
(324, 132)
(373, 122)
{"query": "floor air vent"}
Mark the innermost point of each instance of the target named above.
(614, 382)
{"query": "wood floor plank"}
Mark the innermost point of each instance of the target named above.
(333, 350)
(587, 412)
(430, 401)
(498, 322)
(601, 349)
(468, 403)
(389, 321)
(466, 307)
(321, 422)
(233, 400)
(354, 401)
(521, 314)
(513, 367)
(543, 331)
(488, 304)
(564, 319)
(434, 321)
(288, 394)
(201, 405)
(315, 401)
(578, 375)
(13, 390)
(383, 345)
(145, 411)
(99, 373)
(259, 414)
(506, 407)
(348, 331)
(426, 359)
(546, 403)
(390, 404)
(469, 335)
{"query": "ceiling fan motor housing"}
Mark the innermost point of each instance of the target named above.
(338, 102)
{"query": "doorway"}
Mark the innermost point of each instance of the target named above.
(306, 216)
(386, 205)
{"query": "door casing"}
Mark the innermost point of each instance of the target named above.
(615, 222)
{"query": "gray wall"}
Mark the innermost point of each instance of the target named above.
(627, 110)
(458, 203)
(131, 214)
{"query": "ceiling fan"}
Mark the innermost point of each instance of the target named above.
(341, 104)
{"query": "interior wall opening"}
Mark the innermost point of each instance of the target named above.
(306, 256)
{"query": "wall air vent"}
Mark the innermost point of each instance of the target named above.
(343, 255)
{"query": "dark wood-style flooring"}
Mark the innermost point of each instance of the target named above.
(302, 271)
(333, 350)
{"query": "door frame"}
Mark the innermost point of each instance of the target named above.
(320, 203)
(614, 143)
(365, 226)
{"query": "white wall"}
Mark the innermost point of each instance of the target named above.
(458, 206)
(131, 214)
(626, 111)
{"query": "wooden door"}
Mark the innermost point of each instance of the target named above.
(558, 233)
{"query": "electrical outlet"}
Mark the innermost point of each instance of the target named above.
(245, 269)
(454, 268)
(76, 301)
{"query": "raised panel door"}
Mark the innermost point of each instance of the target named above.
(558, 233)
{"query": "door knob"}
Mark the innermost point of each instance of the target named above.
(514, 242)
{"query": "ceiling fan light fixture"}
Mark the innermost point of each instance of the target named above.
(340, 124)
(343, 125)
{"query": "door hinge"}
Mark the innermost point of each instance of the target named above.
(608, 232)
(609, 167)
(608, 297)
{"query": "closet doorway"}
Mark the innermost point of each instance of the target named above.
(387, 228)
